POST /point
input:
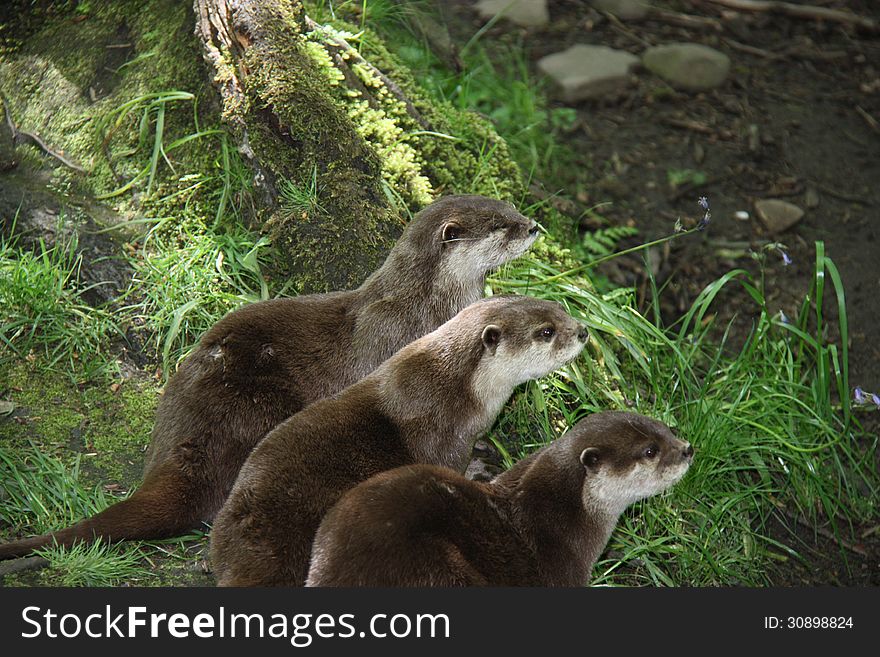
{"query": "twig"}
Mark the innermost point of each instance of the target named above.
(752, 50)
(870, 120)
(20, 136)
(800, 11)
(702, 128)
(685, 20)
(622, 29)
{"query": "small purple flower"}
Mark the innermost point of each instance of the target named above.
(859, 396)
(704, 203)
(786, 260)
(876, 399)
(784, 318)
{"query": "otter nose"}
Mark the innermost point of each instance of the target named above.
(582, 334)
(688, 451)
(533, 229)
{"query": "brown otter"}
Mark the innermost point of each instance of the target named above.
(426, 404)
(544, 522)
(265, 361)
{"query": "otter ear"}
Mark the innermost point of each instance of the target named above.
(451, 232)
(590, 458)
(491, 338)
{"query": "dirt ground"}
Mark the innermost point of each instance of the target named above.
(796, 119)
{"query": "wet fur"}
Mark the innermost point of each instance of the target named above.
(542, 523)
(266, 361)
(422, 405)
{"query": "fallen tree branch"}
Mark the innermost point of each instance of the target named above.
(18, 565)
(800, 11)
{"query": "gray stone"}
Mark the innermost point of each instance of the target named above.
(688, 65)
(776, 215)
(583, 72)
(528, 13)
(623, 9)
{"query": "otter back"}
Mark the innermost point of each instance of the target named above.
(542, 523)
(428, 403)
(266, 361)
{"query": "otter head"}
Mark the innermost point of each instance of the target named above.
(623, 458)
(522, 338)
(471, 235)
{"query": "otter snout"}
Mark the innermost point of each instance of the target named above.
(687, 452)
(583, 334)
(533, 229)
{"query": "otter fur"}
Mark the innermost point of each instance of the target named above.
(544, 522)
(426, 404)
(265, 361)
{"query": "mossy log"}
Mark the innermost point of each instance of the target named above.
(284, 122)
(341, 143)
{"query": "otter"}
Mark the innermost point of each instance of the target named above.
(263, 362)
(544, 522)
(426, 404)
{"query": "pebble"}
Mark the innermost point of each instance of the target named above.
(777, 215)
(623, 9)
(528, 13)
(584, 72)
(690, 66)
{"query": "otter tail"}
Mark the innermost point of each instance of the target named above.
(153, 511)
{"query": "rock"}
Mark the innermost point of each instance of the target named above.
(811, 197)
(528, 13)
(582, 71)
(776, 215)
(623, 9)
(688, 65)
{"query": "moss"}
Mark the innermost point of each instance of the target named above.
(70, 76)
(71, 82)
(108, 421)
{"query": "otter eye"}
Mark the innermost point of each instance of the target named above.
(547, 332)
(451, 232)
(651, 452)
(590, 457)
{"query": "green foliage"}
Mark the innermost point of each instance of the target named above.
(42, 493)
(190, 277)
(42, 307)
(770, 423)
(305, 198)
(604, 241)
(95, 564)
(679, 177)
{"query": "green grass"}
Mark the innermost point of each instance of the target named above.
(770, 422)
(97, 564)
(189, 277)
(42, 308)
(43, 494)
(769, 412)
